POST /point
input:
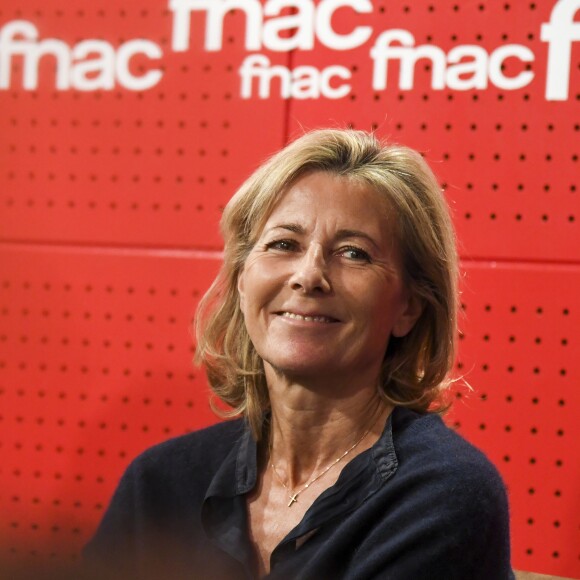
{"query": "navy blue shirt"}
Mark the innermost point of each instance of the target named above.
(421, 503)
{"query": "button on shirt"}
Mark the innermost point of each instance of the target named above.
(420, 503)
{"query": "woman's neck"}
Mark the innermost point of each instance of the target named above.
(311, 429)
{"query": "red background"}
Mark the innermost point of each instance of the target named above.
(109, 203)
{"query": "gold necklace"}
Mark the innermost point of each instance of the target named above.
(294, 495)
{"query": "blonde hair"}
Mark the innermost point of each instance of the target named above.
(416, 367)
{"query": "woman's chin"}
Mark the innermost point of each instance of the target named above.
(302, 367)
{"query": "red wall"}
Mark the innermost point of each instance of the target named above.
(109, 203)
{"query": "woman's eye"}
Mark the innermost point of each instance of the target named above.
(353, 253)
(284, 245)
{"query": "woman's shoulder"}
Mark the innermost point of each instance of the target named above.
(445, 496)
(442, 474)
(204, 448)
(425, 444)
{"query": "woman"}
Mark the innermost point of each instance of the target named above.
(330, 331)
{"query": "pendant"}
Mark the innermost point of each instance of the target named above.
(293, 499)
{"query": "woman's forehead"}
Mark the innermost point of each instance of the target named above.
(343, 202)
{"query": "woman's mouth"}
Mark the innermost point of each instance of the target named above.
(307, 317)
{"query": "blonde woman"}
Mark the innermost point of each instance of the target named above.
(329, 331)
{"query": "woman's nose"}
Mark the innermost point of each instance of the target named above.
(310, 274)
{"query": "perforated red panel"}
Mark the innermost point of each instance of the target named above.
(96, 366)
(110, 197)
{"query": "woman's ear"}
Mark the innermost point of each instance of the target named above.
(408, 317)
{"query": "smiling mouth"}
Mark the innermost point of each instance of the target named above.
(314, 318)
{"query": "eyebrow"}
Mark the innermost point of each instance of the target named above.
(340, 235)
(343, 234)
(295, 228)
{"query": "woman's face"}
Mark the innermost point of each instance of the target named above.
(321, 291)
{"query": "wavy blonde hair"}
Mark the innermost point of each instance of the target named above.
(416, 367)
